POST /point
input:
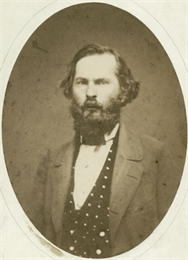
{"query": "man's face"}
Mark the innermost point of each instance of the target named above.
(95, 83)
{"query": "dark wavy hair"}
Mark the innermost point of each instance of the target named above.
(129, 87)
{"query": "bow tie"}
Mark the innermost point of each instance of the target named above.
(93, 140)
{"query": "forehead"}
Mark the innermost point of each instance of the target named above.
(98, 65)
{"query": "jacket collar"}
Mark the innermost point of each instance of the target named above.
(129, 145)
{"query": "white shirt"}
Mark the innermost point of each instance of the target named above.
(88, 166)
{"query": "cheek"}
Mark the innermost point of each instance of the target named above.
(109, 93)
(78, 95)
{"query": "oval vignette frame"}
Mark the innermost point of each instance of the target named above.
(8, 64)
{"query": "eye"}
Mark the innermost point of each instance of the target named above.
(102, 81)
(81, 82)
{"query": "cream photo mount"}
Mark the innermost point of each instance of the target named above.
(157, 244)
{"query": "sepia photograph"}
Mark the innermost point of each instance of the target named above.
(94, 131)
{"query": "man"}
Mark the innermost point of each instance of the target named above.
(107, 190)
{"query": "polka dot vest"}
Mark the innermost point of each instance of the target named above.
(86, 231)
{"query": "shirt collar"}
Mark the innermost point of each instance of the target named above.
(112, 134)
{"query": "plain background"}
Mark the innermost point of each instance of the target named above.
(36, 116)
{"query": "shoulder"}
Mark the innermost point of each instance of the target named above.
(62, 151)
(56, 155)
(135, 146)
(136, 139)
(151, 146)
(151, 142)
(153, 149)
(62, 148)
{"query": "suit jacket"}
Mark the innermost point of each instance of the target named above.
(142, 190)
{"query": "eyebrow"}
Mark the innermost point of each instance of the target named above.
(96, 80)
(80, 78)
(102, 79)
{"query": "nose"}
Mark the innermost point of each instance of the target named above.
(91, 91)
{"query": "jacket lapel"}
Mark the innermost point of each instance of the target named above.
(126, 177)
(60, 184)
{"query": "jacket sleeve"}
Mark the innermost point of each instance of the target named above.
(167, 182)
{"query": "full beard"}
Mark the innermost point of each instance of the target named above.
(92, 121)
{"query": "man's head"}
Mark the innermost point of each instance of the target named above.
(99, 84)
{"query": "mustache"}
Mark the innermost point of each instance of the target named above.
(92, 103)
